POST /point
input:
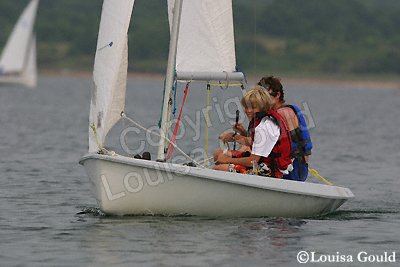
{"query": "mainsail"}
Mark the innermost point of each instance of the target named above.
(110, 71)
(15, 53)
(206, 46)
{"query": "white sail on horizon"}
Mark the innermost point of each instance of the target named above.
(18, 59)
(29, 73)
(16, 50)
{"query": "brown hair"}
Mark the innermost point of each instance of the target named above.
(257, 97)
(273, 85)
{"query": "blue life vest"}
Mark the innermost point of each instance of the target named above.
(301, 147)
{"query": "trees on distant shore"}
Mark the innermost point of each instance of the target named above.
(310, 36)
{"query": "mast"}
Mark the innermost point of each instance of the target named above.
(169, 78)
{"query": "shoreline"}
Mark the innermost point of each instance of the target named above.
(356, 83)
(378, 82)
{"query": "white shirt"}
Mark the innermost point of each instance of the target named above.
(265, 137)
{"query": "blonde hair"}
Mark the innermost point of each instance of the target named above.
(257, 97)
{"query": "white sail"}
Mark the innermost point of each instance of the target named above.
(29, 73)
(28, 76)
(14, 55)
(206, 37)
(110, 71)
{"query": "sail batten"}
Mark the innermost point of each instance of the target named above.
(110, 71)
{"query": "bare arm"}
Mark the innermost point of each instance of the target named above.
(243, 140)
(246, 161)
(226, 136)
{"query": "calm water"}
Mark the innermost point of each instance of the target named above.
(50, 218)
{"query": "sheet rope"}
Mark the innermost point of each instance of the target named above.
(316, 174)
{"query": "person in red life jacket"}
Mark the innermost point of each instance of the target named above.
(269, 138)
(301, 141)
(241, 135)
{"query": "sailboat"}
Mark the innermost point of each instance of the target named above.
(125, 185)
(18, 58)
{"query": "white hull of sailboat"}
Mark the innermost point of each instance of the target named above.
(124, 185)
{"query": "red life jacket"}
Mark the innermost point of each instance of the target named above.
(280, 157)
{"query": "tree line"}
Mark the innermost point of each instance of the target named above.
(291, 36)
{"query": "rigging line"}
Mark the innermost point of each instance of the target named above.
(158, 135)
(107, 45)
(162, 107)
(207, 118)
(239, 69)
(170, 111)
(204, 160)
(236, 123)
(227, 81)
(174, 134)
(174, 88)
(102, 150)
(93, 127)
(255, 36)
(316, 174)
(168, 122)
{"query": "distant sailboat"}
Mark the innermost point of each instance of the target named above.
(201, 48)
(18, 58)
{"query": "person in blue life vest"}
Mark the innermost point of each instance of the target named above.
(301, 141)
(267, 140)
